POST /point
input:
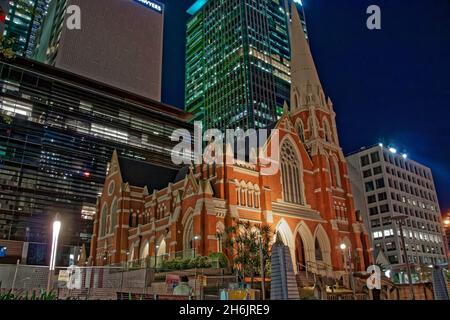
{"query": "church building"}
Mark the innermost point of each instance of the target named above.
(147, 211)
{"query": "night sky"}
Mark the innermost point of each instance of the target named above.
(390, 85)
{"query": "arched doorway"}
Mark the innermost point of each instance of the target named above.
(300, 256)
(318, 251)
(161, 253)
(144, 251)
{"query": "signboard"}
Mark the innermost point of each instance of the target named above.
(64, 276)
(158, 7)
(172, 280)
(3, 252)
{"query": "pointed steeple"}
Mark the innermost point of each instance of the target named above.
(306, 88)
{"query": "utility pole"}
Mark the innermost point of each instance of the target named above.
(400, 220)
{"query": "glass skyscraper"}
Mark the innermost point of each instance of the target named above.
(238, 62)
(58, 132)
(22, 25)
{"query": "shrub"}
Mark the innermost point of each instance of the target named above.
(219, 258)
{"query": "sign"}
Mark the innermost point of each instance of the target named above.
(172, 280)
(64, 276)
(152, 5)
(3, 252)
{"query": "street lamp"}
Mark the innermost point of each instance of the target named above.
(400, 219)
(195, 238)
(51, 268)
(343, 247)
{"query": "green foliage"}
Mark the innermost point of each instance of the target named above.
(40, 296)
(219, 259)
(188, 263)
(244, 240)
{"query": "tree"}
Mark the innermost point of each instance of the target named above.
(244, 241)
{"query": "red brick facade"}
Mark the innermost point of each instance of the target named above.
(308, 202)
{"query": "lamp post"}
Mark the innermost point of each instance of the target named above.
(195, 239)
(51, 268)
(351, 281)
(261, 259)
(400, 219)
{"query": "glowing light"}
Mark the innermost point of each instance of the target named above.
(381, 145)
(343, 246)
(393, 150)
(86, 174)
(405, 156)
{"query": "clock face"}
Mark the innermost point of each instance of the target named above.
(111, 187)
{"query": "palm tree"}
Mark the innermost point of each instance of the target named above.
(244, 241)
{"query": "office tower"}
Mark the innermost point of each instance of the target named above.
(238, 62)
(120, 43)
(387, 184)
(57, 133)
(23, 20)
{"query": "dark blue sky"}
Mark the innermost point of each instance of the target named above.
(390, 85)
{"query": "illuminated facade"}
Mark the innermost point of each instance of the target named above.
(386, 184)
(23, 21)
(57, 134)
(103, 49)
(238, 62)
(308, 202)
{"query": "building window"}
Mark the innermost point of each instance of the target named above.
(371, 199)
(375, 157)
(384, 208)
(327, 131)
(373, 211)
(365, 161)
(104, 213)
(113, 216)
(377, 170)
(380, 183)
(367, 173)
(335, 172)
(300, 131)
(382, 196)
(291, 174)
(370, 186)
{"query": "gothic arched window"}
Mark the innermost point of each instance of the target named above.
(300, 130)
(296, 102)
(335, 172)
(113, 216)
(327, 131)
(103, 215)
(291, 173)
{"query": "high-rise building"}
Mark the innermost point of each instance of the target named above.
(387, 184)
(238, 62)
(120, 42)
(22, 23)
(57, 134)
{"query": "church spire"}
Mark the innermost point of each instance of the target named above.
(306, 88)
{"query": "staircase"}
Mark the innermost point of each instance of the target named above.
(305, 279)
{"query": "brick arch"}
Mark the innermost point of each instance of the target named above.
(284, 231)
(324, 242)
(308, 241)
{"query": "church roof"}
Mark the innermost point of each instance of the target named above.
(144, 174)
(303, 67)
